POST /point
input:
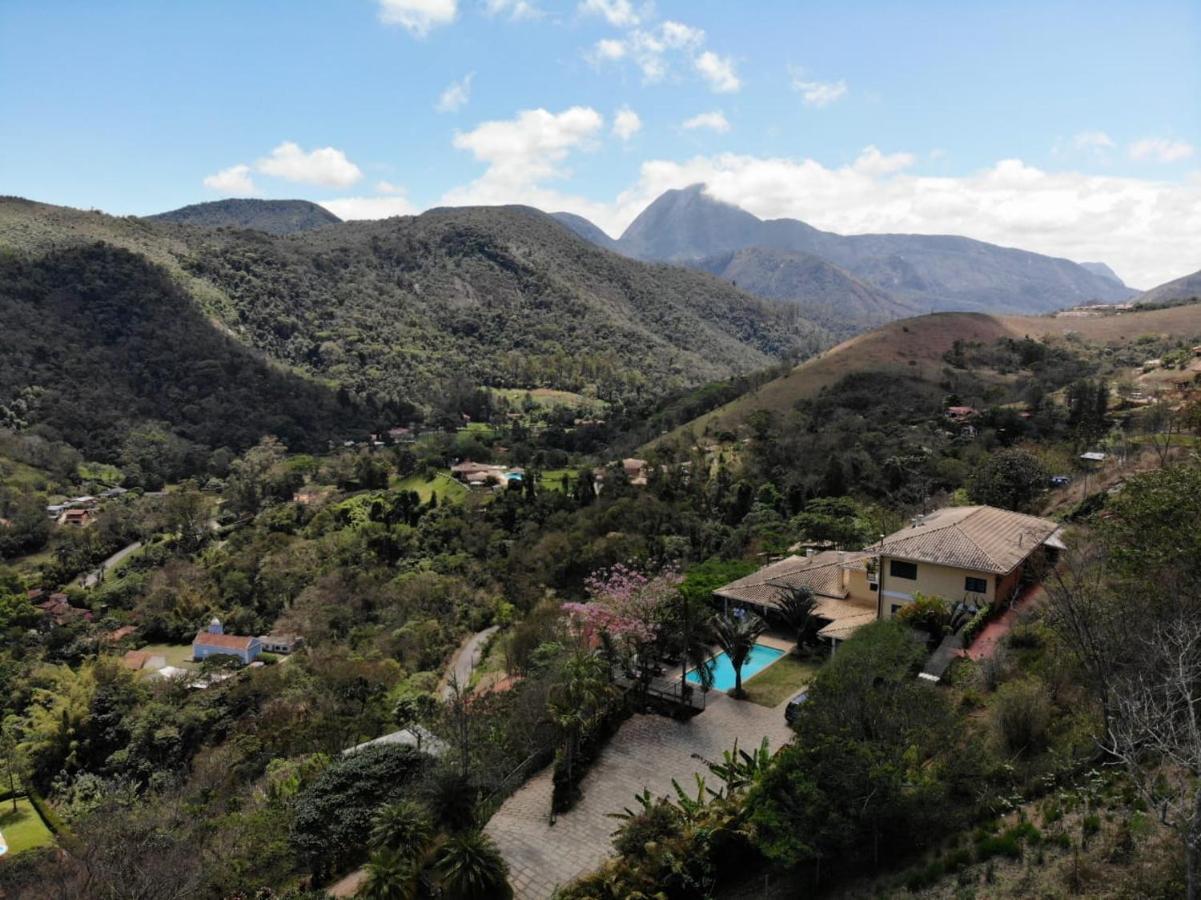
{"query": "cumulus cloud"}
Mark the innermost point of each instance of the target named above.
(419, 17)
(677, 34)
(232, 182)
(872, 162)
(609, 49)
(718, 71)
(626, 123)
(714, 121)
(456, 94)
(820, 94)
(618, 13)
(522, 152)
(1160, 150)
(325, 166)
(369, 207)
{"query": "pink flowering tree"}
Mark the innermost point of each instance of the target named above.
(625, 612)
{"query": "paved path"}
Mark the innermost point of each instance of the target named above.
(647, 752)
(348, 886)
(990, 637)
(466, 658)
(92, 579)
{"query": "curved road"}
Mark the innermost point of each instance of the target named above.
(92, 578)
(466, 658)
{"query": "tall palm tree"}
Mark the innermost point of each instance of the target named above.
(471, 868)
(403, 826)
(737, 636)
(389, 877)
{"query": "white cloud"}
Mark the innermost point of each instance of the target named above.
(714, 121)
(369, 207)
(677, 34)
(1161, 150)
(618, 13)
(626, 123)
(419, 17)
(323, 166)
(873, 163)
(456, 94)
(232, 182)
(387, 187)
(609, 49)
(517, 10)
(523, 152)
(718, 71)
(818, 94)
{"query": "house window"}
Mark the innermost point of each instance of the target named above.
(906, 570)
(896, 608)
(976, 585)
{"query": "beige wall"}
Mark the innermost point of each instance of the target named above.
(933, 580)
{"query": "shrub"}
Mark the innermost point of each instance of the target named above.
(651, 825)
(1022, 714)
(333, 816)
(928, 614)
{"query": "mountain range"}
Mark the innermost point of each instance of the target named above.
(885, 276)
(384, 314)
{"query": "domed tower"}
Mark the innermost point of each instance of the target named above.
(215, 626)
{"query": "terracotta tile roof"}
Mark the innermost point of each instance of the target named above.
(821, 573)
(224, 641)
(981, 538)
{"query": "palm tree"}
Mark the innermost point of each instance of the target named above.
(796, 607)
(471, 868)
(390, 876)
(737, 636)
(403, 826)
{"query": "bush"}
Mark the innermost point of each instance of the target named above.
(333, 816)
(653, 824)
(565, 790)
(928, 614)
(1022, 715)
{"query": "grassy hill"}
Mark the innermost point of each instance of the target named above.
(914, 349)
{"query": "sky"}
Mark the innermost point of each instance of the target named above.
(1068, 128)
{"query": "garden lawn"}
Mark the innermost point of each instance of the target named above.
(446, 487)
(176, 654)
(23, 829)
(779, 681)
(552, 479)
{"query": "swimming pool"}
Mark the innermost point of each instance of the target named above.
(759, 659)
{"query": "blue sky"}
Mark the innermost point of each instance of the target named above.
(1068, 128)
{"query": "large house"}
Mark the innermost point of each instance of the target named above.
(215, 642)
(974, 555)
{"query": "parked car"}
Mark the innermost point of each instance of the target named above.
(793, 710)
(1060, 480)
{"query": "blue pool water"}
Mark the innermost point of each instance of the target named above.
(723, 673)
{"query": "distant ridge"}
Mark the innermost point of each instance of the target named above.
(1099, 268)
(1186, 288)
(271, 216)
(926, 272)
(586, 230)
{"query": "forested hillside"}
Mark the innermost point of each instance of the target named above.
(392, 311)
(102, 349)
(272, 216)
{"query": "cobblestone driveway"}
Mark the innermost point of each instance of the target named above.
(648, 751)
